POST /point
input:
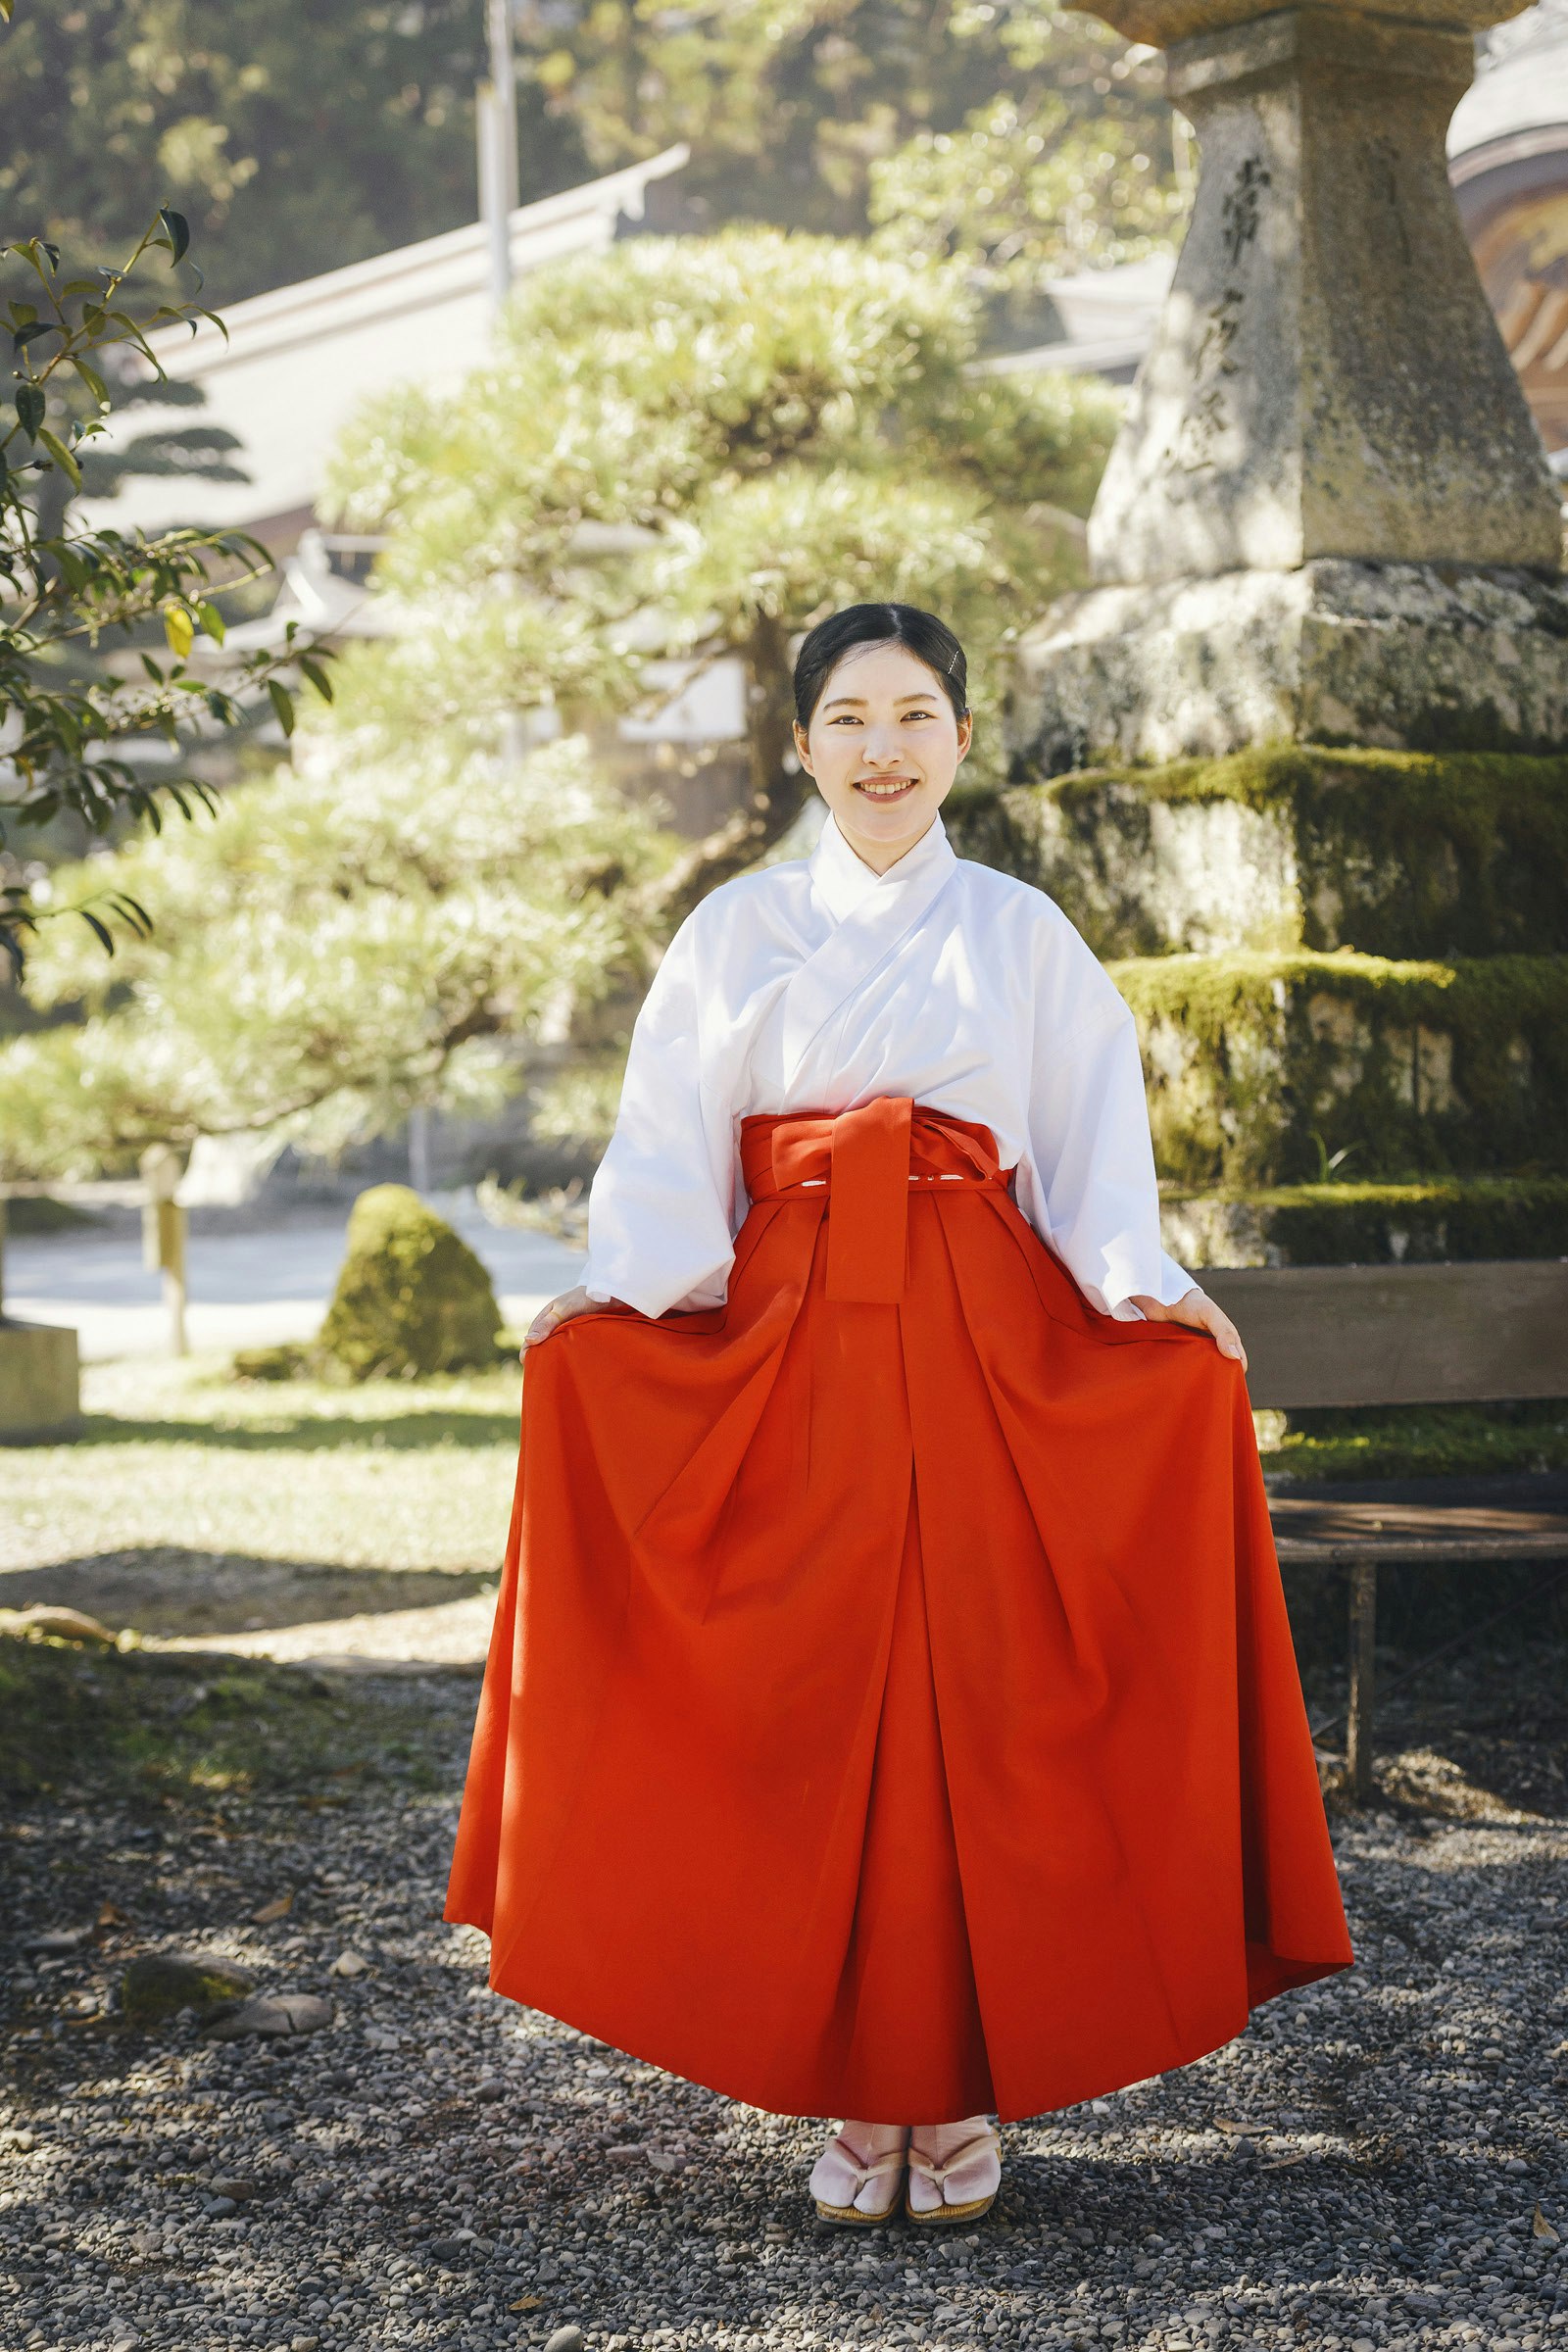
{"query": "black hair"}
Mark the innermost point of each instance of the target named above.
(930, 640)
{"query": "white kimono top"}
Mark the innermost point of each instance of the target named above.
(816, 985)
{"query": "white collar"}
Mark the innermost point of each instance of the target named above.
(842, 879)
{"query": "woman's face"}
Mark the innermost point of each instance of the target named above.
(883, 748)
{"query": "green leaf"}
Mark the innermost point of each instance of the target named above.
(176, 230)
(60, 456)
(31, 408)
(132, 912)
(316, 672)
(179, 628)
(91, 378)
(282, 704)
(213, 621)
(30, 334)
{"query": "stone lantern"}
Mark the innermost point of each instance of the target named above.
(1327, 516)
(1296, 761)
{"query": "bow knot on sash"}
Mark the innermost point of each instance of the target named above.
(867, 1161)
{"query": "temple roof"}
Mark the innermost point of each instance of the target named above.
(300, 359)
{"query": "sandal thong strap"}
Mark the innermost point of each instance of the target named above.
(982, 2144)
(893, 2160)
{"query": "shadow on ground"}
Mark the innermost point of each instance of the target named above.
(296, 1431)
(168, 1593)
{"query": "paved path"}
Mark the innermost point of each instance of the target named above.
(247, 1287)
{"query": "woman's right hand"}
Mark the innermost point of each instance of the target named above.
(560, 1310)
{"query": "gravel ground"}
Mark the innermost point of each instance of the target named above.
(1380, 2161)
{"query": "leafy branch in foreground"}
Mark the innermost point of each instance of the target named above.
(75, 732)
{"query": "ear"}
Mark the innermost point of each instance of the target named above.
(965, 734)
(801, 753)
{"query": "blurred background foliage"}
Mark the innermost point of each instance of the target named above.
(301, 137)
(446, 878)
(657, 462)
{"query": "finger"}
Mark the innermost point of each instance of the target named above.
(543, 1324)
(1228, 1338)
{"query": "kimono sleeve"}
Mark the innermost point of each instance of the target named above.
(1089, 1135)
(659, 1210)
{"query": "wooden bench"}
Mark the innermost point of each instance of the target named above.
(1480, 1332)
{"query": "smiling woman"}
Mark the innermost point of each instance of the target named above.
(891, 1711)
(882, 723)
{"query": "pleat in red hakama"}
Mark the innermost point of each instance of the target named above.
(891, 1709)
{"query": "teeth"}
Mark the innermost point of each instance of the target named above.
(886, 791)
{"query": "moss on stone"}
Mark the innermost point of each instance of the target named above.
(1403, 853)
(159, 1984)
(1368, 1224)
(412, 1298)
(1262, 1067)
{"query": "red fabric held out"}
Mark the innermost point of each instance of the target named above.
(891, 1709)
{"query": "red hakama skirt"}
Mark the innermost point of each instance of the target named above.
(891, 1710)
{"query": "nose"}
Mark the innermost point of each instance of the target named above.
(882, 748)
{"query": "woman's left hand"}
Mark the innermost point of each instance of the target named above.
(1196, 1309)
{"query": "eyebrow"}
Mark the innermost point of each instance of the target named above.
(858, 700)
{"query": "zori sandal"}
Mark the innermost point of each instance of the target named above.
(839, 2180)
(981, 2156)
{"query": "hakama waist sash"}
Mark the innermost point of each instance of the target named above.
(866, 1159)
(902, 1587)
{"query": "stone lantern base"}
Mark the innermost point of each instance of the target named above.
(1389, 655)
(40, 1396)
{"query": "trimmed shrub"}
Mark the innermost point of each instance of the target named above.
(411, 1299)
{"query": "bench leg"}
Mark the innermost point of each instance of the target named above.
(1363, 1633)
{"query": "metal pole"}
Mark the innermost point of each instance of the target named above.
(1363, 1634)
(504, 81)
(496, 121)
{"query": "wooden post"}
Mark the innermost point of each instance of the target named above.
(1363, 1633)
(163, 1227)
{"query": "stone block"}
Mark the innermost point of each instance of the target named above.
(1327, 378)
(40, 1389)
(1404, 655)
(1398, 854)
(1263, 1068)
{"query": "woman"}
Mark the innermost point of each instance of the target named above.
(891, 1712)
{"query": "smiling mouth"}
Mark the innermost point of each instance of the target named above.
(886, 788)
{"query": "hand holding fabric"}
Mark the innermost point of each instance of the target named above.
(1198, 1310)
(550, 1317)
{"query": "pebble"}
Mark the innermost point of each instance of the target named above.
(273, 2014)
(442, 2172)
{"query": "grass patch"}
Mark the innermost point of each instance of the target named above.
(1420, 1441)
(179, 1458)
(157, 1731)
